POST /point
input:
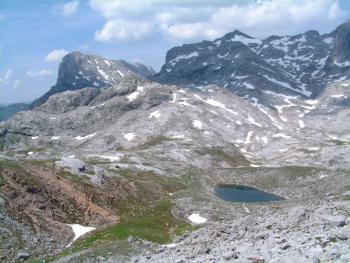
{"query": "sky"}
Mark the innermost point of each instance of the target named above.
(36, 34)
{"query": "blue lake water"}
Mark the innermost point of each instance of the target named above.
(246, 194)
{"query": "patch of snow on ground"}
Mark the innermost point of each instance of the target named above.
(120, 73)
(254, 165)
(35, 137)
(80, 230)
(281, 135)
(252, 120)
(264, 139)
(301, 124)
(133, 96)
(197, 219)
(249, 136)
(191, 55)
(283, 150)
(339, 96)
(104, 75)
(283, 119)
(314, 148)
(246, 40)
(112, 158)
(156, 114)
(55, 137)
(216, 103)
(140, 88)
(197, 124)
(79, 138)
(129, 136)
(30, 153)
(180, 136)
(248, 86)
(169, 245)
(107, 62)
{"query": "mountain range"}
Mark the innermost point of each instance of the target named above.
(117, 163)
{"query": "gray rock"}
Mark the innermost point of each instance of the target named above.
(337, 220)
(72, 163)
(22, 256)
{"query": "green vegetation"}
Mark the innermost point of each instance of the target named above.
(153, 223)
(220, 154)
(150, 185)
(339, 142)
(183, 228)
(31, 149)
(154, 142)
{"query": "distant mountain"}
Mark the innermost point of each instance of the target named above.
(78, 70)
(294, 65)
(7, 111)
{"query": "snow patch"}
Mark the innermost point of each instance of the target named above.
(156, 114)
(252, 120)
(246, 40)
(111, 158)
(129, 136)
(169, 245)
(249, 136)
(120, 73)
(80, 138)
(103, 74)
(181, 57)
(197, 124)
(133, 96)
(264, 139)
(55, 138)
(281, 135)
(197, 219)
(80, 230)
(339, 96)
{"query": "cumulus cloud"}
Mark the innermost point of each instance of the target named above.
(185, 21)
(124, 30)
(56, 55)
(69, 8)
(39, 73)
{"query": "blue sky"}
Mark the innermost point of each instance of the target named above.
(35, 34)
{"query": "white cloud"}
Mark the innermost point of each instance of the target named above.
(56, 55)
(69, 8)
(124, 30)
(193, 20)
(7, 81)
(39, 73)
(262, 19)
(8, 74)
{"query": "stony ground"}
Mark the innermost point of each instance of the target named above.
(135, 160)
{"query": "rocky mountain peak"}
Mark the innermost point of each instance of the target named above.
(341, 52)
(300, 65)
(78, 71)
